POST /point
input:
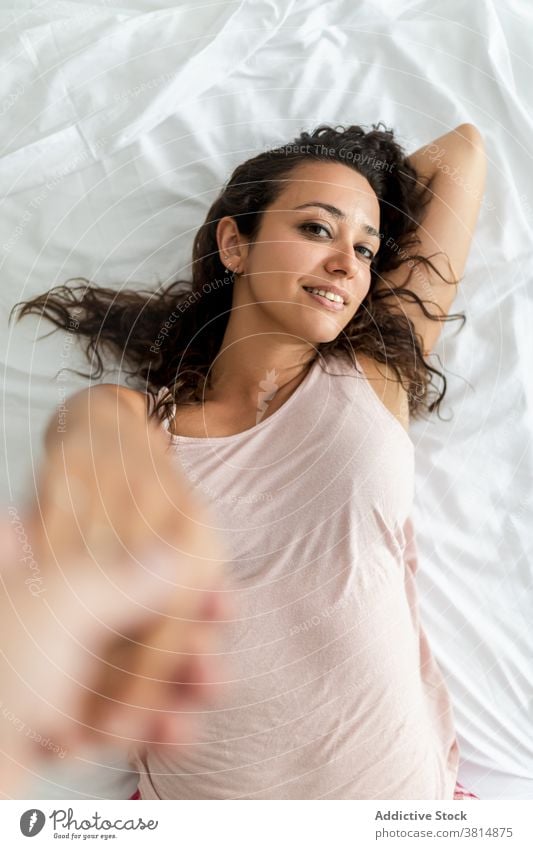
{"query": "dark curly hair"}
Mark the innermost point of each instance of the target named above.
(136, 324)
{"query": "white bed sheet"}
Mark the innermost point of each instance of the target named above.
(121, 123)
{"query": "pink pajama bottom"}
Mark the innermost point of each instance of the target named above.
(461, 793)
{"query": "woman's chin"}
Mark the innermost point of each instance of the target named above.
(325, 331)
(317, 326)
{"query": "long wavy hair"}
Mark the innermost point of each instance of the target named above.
(171, 337)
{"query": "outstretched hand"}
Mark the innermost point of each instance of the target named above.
(109, 650)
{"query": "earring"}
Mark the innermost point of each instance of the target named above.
(229, 270)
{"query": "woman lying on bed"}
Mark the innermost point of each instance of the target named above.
(286, 374)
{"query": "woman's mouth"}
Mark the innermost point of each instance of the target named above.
(331, 302)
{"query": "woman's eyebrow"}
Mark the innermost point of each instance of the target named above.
(338, 213)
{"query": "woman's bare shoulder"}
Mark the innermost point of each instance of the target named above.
(138, 401)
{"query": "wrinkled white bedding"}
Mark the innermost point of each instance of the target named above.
(121, 122)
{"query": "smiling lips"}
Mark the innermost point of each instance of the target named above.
(333, 299)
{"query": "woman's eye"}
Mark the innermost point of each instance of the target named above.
(314, 226)
(308, 227)
(369, 254)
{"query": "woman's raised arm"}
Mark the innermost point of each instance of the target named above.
(108, 482)
(129, 574)
(454, 167)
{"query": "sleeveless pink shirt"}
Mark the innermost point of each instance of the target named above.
(331, 690)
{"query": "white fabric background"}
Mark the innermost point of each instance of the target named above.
(120, 125)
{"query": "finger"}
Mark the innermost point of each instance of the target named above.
(157, 676)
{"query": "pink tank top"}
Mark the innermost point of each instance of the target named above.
(331, 690)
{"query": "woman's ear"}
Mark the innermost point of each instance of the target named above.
(232, 250)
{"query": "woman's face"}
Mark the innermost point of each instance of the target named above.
(316, 246)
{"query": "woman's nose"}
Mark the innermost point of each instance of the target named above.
(343, 259)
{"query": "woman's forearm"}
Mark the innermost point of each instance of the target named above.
(453, 154)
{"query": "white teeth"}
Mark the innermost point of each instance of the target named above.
(331, 296)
